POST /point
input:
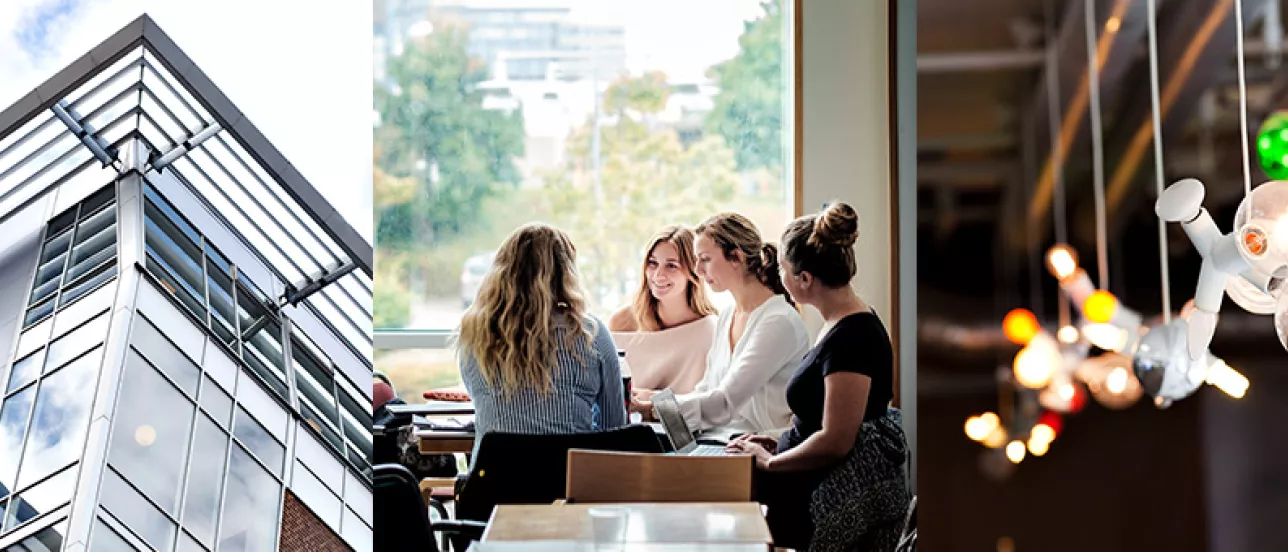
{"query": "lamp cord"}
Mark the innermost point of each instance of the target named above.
(1097, 148)
(1158, 161)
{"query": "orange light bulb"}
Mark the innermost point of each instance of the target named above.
(1100, 307)
(1020, 326)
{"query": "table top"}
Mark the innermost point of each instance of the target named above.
(586, 546)
(678, 523)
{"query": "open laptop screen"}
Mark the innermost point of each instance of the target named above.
(668, 412)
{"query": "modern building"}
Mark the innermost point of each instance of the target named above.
(185, 324)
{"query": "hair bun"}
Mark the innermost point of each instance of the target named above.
(837, 226)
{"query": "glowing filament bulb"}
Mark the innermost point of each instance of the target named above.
(1227, 379)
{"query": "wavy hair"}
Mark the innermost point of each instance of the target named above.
(532, 289)
(644, 307)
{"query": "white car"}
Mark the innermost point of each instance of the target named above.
(472, 276)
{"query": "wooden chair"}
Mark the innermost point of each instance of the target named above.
(598, 476)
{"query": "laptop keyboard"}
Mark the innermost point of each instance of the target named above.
(708, 450)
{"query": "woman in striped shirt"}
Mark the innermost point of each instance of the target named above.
(533, 360)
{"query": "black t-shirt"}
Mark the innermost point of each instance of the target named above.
(857, 343)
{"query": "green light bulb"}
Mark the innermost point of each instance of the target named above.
(1272, 145)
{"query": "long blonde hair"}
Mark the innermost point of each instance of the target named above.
(644, 308)
(510, 330)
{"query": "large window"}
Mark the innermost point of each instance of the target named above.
(78, 255)
(480, 129)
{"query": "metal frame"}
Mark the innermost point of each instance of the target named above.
(144, 31)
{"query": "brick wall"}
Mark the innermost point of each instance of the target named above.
(304, 532)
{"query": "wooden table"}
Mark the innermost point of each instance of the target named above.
(728, 523)
(441, 442)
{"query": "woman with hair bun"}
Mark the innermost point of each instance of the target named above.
(836, 479)
(758, 343)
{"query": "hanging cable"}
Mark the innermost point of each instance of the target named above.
(1057, 160)
(1097, 152)
(1158, 160)
(1243, 96)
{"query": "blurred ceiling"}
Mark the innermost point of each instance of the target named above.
(988, 71)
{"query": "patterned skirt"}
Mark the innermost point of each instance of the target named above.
(861, 504)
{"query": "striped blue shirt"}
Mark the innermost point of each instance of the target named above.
(586, 396)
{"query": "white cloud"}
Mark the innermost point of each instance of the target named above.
(299, 69)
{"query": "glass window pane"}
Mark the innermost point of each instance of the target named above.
(76, 313)
(39, 311)
(60, 419)
(312, 492)
(216, 402)
(91, 205)
(358, 496)
(187, 544)
(89, 283)
(50, 538)
(251, 506)
(321, 425)
(13, 427)
(220, 367)
(76, 342)
(265, 409)
(25, 371)
(41, 499)
(34, 338)
(319, 460)
(106, 539)
(710, 131)
(150, 436)
(257, 440)
(172, 285)
(205, 480)
(355, 532)
(135, 512)
(165, 355)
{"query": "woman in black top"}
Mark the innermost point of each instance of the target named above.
(836, 480)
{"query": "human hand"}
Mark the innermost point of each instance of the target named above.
(769, 443)
(746, 446)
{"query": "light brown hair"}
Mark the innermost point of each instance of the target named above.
(734, 232)
(823, 244)
(510, 330)
(644, 307)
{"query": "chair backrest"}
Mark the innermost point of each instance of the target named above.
(597, 476)
(530, 469)
(404, 519)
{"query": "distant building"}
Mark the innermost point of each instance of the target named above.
(185, 324)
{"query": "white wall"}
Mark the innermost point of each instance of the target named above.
(846, 131)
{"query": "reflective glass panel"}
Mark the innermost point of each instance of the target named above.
(60, 419)
(150, 439)
(251, 506)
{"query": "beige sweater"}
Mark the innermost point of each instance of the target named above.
(674, 358)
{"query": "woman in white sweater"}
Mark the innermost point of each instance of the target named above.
(759, 342)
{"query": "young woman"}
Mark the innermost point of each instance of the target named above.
(836, 479)
(667, 330)
(531, 358)
(758, 343)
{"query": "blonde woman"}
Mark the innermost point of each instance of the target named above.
(758, 342)
(532, 359)
(667, 330)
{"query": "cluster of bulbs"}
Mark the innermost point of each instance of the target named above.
(1110, 352)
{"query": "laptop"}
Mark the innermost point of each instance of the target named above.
(667, 410)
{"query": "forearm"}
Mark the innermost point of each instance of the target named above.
(818, 451)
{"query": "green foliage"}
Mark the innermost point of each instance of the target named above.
(748, 111)
(648, 180)
(392, 304)
(433, 116)
(646, 94)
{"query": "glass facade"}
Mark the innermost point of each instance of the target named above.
(175, 410)
(49, 389)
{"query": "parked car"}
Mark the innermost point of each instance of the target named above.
(472, 276)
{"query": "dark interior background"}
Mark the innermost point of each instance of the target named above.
(1205, 474)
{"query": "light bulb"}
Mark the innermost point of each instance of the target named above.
(1015, 452)
(1116, 381)
(1100, 306)
(977, 429)
(996, 438)
(1042, 432)
(1035, 364)
(1106, 336)
(991, 420)
(1038, 447)
(1062, 261)
(1068, 335)
(1020, 326)
(1066, 391)
(1227, 379)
